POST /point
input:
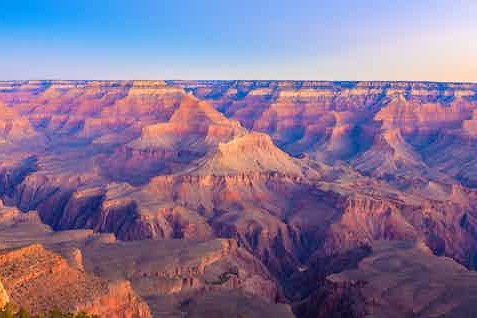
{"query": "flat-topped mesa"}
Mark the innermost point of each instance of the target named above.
(144, 88)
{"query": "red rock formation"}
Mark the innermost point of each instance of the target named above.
(39, 280)
(166, 270)
(13, 127)
(4, 299)
(404, 278)
(327, 166)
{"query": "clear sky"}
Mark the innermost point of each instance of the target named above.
(247, 39)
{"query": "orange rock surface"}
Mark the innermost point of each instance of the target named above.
(292, 173)
(38, 279)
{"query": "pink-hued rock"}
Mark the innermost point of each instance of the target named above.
(39, 280)
(291, 172)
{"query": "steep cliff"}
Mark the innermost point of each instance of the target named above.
(294, 173)
(165, 273)
(39, 280)
(404, 278)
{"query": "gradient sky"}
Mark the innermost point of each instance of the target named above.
(248, 39)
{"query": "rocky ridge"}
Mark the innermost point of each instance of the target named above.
(294, 172)
(111, 278)
(38, 279)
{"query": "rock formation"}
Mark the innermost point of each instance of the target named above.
(104, 275)
(289, 174)
(4, 299)
(38, 279)
(403, 278)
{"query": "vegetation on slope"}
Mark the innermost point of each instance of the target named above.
(10, 312)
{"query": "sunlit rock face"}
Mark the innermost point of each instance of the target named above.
(79, 270)
(4, 299)
(38, 280)
(292, 173)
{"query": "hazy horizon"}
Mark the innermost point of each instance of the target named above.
(231, 80)
(239, 40)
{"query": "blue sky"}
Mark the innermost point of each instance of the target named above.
(212, 39)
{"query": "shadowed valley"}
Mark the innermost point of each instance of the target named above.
(239, 198)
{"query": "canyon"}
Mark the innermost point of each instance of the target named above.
(239, 198)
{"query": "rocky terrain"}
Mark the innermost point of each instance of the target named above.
(36, 278)
(398, 279)
(240, 188)
(79, 270)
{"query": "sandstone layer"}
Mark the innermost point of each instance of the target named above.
(290, 174)
(100, 275)
(38, 279)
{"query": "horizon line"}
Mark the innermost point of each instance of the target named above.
(241, 80)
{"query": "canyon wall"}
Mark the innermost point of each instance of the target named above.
(293, 173)
(38, 279)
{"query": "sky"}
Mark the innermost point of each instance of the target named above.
(434, 40)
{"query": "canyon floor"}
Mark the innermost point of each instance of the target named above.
(239, 198)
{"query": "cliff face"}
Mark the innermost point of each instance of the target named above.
(169, 273)
(109, 141)
(293, 172)
(173, 268)
(104, 275)
(392, 279)
(334, 300)
(4, 299)
(38, 279)
(404, 278)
